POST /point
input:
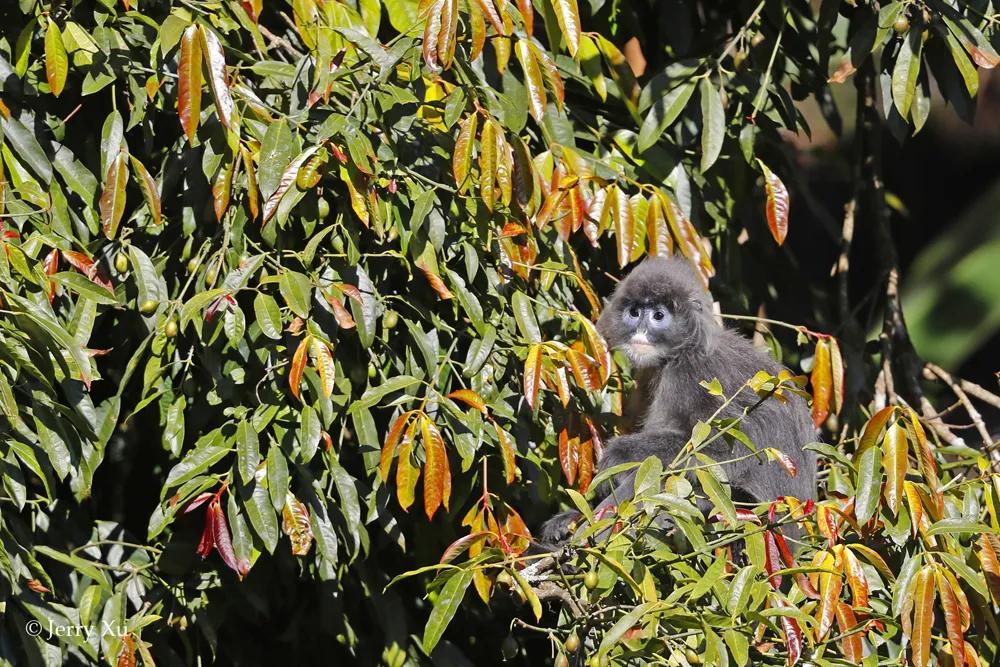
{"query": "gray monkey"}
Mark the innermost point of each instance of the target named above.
(661, 317)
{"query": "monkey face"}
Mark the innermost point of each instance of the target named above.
(656, 313)
(647, 326)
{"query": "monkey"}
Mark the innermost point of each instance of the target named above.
(661, 317)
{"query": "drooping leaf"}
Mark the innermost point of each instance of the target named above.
(298, 365)
(777, 204)
(112, 203)
(56, 60)
(189, 81)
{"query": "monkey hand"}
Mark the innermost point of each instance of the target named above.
(559, 528)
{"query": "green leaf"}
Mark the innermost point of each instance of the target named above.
(375, 394)
(718, 494)
(869, 488)
(713, 128)
(663, 113)
(85, 287)
(448, 600)
(277, 476)
(906, 72)
(268, 315)
(247, 450)
(207, 451)
(296, 289)
(524, 315)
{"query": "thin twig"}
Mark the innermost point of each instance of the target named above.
(281, 42)
(930, 372)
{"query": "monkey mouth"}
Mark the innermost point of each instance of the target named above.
(642, 354)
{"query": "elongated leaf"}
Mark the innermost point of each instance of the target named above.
(268, 315)
(713, 124)
(624, 223)
(777, 204)
(830, 585)
(447, 603)
(296, 524)
(189, 81)
(869, 489)
(663, 113)
(822, 382)
(298, 366)
(952, 616)
(906, 72)
(437, 473)
(923, 616)
(286, 181)
(217, 79)
(533, 374)
(532, 79)
(112, 204)
(568, 15)
(56, 60)
(895, 460)
(325, 366)
(461, 161)
(150, 192)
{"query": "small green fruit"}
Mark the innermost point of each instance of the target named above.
(390, 319)
(590, 580)
(121, 262)
(148, 307)
(572, 642)
(901, 25)
(509, 647)
(372, 371)
(171, 328)
(561, 661)
(323, 208)
(193, 264)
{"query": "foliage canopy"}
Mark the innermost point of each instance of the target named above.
(327, 271)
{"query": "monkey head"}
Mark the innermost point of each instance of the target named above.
(657, 313)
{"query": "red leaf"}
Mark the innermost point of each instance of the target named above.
(793, 639)
(87, 267)
(437, 473)
(772, 559)
(341, 314)
(223, 542)
(198, 501)
(470, 398)
(207, 541)
(461, 544)
(569, 454)
(217, 78)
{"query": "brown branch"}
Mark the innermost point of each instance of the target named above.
(930, 372)
(549, 590)
(281, 42)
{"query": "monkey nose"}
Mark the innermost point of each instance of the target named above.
(640, 338)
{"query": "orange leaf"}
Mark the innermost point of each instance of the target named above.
(149, 191)
(253, 195)
(528, 15)
(407, 473)
(856, 579)
(687, 237)
(925, 456)
(392, 442)
(822, 382)
(568, 16)
(569, 454)
(846, 621)
(585, 471)
(895, 453)
(659, 243)
(435, 280)
(777, 204)
(51, 265)
(837, 374)
(830, 585)
(437, 474)
(624, 223)
(325, 366)
(189, 81)
(491, 14)
(341, 314)
(989, 563)
(874, 426)
(470, 398)
(298, 367)
(952, 617)
(507, 451)
(923, 616)
(295, 524)
(221, 189)
(533, 374)
(916, 507)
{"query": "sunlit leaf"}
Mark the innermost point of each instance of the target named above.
(895, 460)
(777, 204)
(189, 81)
(822, 382)
(923, 616)
(298, 366)
(437, 473)
(295, 523)
(56, 60)
(112, 203)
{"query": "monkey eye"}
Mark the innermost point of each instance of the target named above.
(658, 315)
(633, 311)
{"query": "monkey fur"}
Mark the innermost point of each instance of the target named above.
(661, 317)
